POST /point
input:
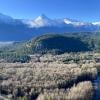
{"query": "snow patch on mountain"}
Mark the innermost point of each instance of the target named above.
(44, 21)
(96, 23)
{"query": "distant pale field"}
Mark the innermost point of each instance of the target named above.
(5, 43)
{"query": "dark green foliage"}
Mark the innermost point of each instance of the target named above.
(14, 57)
(73, 42)
(58, 44)
(51, 43)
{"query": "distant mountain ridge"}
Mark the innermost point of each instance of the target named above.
(43, 20)
(21, 29)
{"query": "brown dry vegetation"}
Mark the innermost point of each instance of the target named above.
(49, 77)
(78, 92)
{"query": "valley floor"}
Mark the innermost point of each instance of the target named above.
(50, 77)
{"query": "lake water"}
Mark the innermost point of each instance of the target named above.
(97, 88)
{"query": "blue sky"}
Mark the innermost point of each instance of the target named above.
(85, 10)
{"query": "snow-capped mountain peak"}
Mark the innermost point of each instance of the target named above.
(67, 21)
(42, 17)
(75, 22)
(42, 21)
(96, 23)
(15, 29)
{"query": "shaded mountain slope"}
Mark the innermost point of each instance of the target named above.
(58, 43)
